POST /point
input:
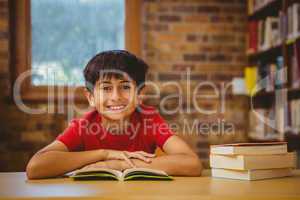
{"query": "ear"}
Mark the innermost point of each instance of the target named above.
(90, 97)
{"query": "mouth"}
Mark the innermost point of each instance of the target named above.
(116, 107)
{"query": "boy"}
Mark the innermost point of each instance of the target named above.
(120, 132)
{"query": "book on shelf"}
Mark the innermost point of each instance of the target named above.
(295, 115)
(111, 174)
(272, 27)
(269, 32)
(261, 35)
(250, 80)
(281, 73)
(295, 65)
(262, 75)
(293, 17)
(252, 36)
(265, 148)
(250, 7)
(271, 71)
(256, 174)
(283, 23)
(250, 162)
(281, 112)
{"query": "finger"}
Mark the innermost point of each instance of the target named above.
(147, 154)
(140, 156)
(127, 159)
(88, 166)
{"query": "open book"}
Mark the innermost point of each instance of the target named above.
(111, 174)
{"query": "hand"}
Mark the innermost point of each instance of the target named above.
(126, 155)
(100, 164)
(111, 164)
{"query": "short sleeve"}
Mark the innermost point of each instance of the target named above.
(71, 136)
(162, 131)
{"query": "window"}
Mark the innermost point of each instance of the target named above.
(58, 37)
(65, 34)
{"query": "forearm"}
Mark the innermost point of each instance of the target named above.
(177, 164)
(54, 163)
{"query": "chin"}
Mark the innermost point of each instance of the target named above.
(115, 116)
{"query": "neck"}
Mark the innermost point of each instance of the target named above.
(117, 126)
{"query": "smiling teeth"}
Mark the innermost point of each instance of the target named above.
(116, 107)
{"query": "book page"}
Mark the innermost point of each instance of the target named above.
(154, 171)
(117, 173)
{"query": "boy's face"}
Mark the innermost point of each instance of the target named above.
(114, 98)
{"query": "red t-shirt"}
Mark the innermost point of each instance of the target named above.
(147, 130)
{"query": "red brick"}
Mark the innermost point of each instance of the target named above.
(183, 67)
(194, 57)
(169, 18)
(208, 9)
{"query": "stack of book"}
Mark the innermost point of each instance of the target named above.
(251, 161)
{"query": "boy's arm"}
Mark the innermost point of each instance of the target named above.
(55, 159)
(179, 160)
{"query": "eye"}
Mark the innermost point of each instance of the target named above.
(125, 87)
(106, 88)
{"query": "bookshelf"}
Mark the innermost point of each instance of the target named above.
(273, 54)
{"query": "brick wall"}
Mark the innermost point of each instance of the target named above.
(206, 37)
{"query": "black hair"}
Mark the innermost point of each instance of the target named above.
(111, 63)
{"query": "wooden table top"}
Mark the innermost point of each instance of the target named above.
(16, 186)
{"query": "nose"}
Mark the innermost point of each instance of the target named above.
(115, 95)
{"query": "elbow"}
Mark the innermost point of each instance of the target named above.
(33, 170)
(196, 167)
(30, 170)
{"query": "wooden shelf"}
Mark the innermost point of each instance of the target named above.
(266, 100)
(291, 91)
(270, 9)
(294, 93)
(272, 51)
(266, 54)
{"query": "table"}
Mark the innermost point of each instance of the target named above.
(16, 186)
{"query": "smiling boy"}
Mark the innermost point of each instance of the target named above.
(120, 132)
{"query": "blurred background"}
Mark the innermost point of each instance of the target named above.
(231, 45)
